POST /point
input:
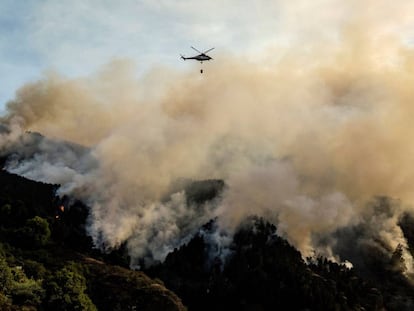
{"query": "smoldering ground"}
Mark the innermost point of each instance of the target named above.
(305, 139)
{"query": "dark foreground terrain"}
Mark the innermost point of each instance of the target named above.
(47, 262)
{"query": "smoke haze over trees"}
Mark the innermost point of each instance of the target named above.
(260, 270)
(307, 139)
(316, 141)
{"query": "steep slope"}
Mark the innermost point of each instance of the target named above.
(117, 288)
(45, 258)
(44, 247)
(262, 272)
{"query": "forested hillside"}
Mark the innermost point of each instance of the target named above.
(263, 272)
(48, 262)
(46, 258)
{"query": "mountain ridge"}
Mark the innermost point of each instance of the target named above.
(45, 237)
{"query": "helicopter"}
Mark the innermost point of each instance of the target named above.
(200, 57)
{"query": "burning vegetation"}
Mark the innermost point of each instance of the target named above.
(316, 144)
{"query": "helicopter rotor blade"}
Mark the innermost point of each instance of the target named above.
(196, 50)
(208, 50)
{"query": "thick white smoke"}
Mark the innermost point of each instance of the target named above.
(303, 140)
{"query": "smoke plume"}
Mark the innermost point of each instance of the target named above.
(305, 139)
